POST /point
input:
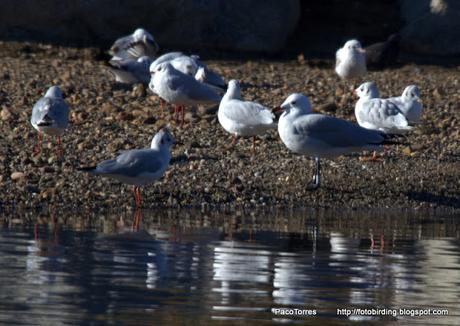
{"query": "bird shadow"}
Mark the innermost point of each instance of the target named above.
(442, 200)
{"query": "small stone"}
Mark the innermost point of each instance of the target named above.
(125, 116)
(407, 151)
(5, 114)
(17, 175)
(139, 91)
(149, 121)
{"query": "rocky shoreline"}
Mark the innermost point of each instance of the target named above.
(106, 118)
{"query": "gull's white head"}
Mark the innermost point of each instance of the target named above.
(200, 74)
(140, 33)
(367, 90)
(145, 59)
(54, 91)
(353, 45)
(296, 102)
(163, 139)
(411, 92)
(162, 67)
(233, 90)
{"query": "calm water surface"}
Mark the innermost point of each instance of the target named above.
(186, 267)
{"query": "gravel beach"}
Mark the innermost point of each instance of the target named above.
(423, 172)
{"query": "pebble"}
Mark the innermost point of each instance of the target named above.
(17, 175)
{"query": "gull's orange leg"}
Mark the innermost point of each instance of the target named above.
(38, 146)
(60, 150)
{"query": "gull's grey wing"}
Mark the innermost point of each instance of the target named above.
(192, 88)
(336, 132)
(249, 113)
(131, 163)
(140, 49)
(213, 78)
(382, 113)
(132, 68)
(120, 44)
(166, 57)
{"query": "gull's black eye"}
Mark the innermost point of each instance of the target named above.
(293, 102)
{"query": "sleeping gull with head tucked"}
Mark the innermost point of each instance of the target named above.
(140, 43)
(138, 167)
(50, 115)
(322, 136)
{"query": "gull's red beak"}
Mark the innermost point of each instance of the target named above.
(278, 109)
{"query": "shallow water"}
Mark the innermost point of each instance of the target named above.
(234, 268)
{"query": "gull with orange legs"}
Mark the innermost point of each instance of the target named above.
(50, 116)
(180, 89)
(138, 167)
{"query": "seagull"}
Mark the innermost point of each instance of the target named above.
(140, 43)
(350, 61)
(138, 167)
(383, 54)
(180, 89)
(321, 136)
(205, 76)
(243, 118)
(379, 114)
(50, 115)
(191, 65)
(409, 103)
(131, 71)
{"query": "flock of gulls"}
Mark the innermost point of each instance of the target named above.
(181, 80)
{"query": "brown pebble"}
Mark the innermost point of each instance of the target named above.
(6, 114)
(17, 176)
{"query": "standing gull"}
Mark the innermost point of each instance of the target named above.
(317, 135)
(140, 43)
(50, 115)
(138, 167)
(350, 60)
(180, 89)
(409, 103)
(243, 118)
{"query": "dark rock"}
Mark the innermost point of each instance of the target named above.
(431, 26)
(253, 25)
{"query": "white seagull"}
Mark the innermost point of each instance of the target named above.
(379, 114)
(140, 43)
(131, 71)
(179, 89)
(409, 103)
(50, 115)
(191, 65)
(138, 167)
(321, 136)
(243, 118)
(350, 60)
